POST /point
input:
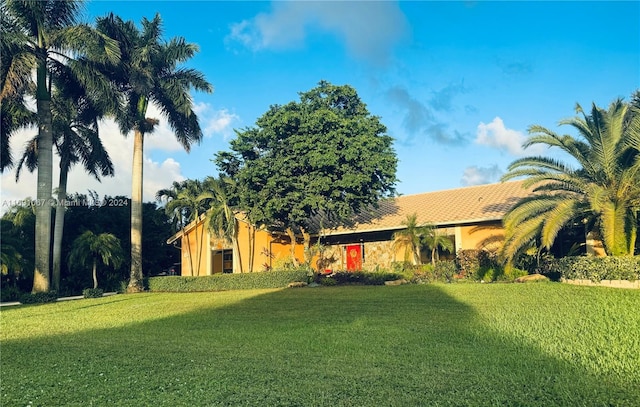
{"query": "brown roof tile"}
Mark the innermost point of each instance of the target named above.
(448, 207)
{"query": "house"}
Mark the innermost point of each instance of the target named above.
(470, 216)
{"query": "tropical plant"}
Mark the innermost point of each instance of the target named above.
(75, 131)
(88, 248)
(148, 72)
(410, 238)
(602, 194)
(221, 217)
(191, 200)
(42, 37)
(436, 241)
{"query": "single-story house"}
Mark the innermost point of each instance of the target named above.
(470, 216)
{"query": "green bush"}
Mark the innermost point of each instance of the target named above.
(38, 298)
(469, 262)
(445, 270)
(9, 293)
(597, 269)
(511, 273)
(363, 277)
(220, 282)
(93, 292)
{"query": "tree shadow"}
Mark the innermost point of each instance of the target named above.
(334, 346)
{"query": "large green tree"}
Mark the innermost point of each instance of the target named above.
(40, 37)
(148, 72)
(323, 155)
(602, 192)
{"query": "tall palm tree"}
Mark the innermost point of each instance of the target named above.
(41, 36)
(602, 193)
(75, 129)
(410, 239)
(89, 248)
(148, 72)
(221, 217)
(192, 200)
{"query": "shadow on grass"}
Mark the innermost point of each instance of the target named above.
(337, 346)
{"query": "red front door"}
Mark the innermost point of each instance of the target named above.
(354, 257)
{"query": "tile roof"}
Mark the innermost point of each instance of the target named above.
(448, 207)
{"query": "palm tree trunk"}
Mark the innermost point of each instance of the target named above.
(95, 274)
(44, 189)
(252, 246)
(135, 279)
(236, 248)
(190, 256)
(292, 237)
(58, 226)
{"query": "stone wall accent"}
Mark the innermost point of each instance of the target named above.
(376, 254)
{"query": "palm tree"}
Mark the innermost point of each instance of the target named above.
(42, 36)
(602, 193)
(75, 129)
(221, 217)
(435, 240)
(191, 200)
(148, 72)
(410, 239)
(89, 248)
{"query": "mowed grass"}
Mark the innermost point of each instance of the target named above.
(430, 345)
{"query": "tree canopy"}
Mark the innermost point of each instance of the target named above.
(322, 155)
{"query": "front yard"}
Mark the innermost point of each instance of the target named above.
(459, 344)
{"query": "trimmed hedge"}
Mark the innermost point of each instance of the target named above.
(39, 298)
(597, 269)
(358, 278)
(221, 282)
(93, 292)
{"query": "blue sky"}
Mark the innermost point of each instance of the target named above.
(456, 83)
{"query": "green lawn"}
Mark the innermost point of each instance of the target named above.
(432, 345)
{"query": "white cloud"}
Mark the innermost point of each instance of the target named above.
(369, 29)
(480, 175)
(216, 121)
(496, 135)
(157, 175)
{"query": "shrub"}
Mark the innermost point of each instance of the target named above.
(9, 293)
(470, 261)
(93, 292)
(597, 269)
(445, 270)
(361, 278)
(512, 273)
(220, 282)
(38, 298)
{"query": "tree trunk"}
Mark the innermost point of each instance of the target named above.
(189, 253)
(252, 246)
(58, 226)
(237, 261)
(95, 274)
(292, 238)
(199, 243)
(307, 247)
(135, 279)
(44, 188)
(433, 255)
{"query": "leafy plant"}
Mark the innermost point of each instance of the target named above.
(92, 292)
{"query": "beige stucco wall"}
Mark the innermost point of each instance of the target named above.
(488, 236)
